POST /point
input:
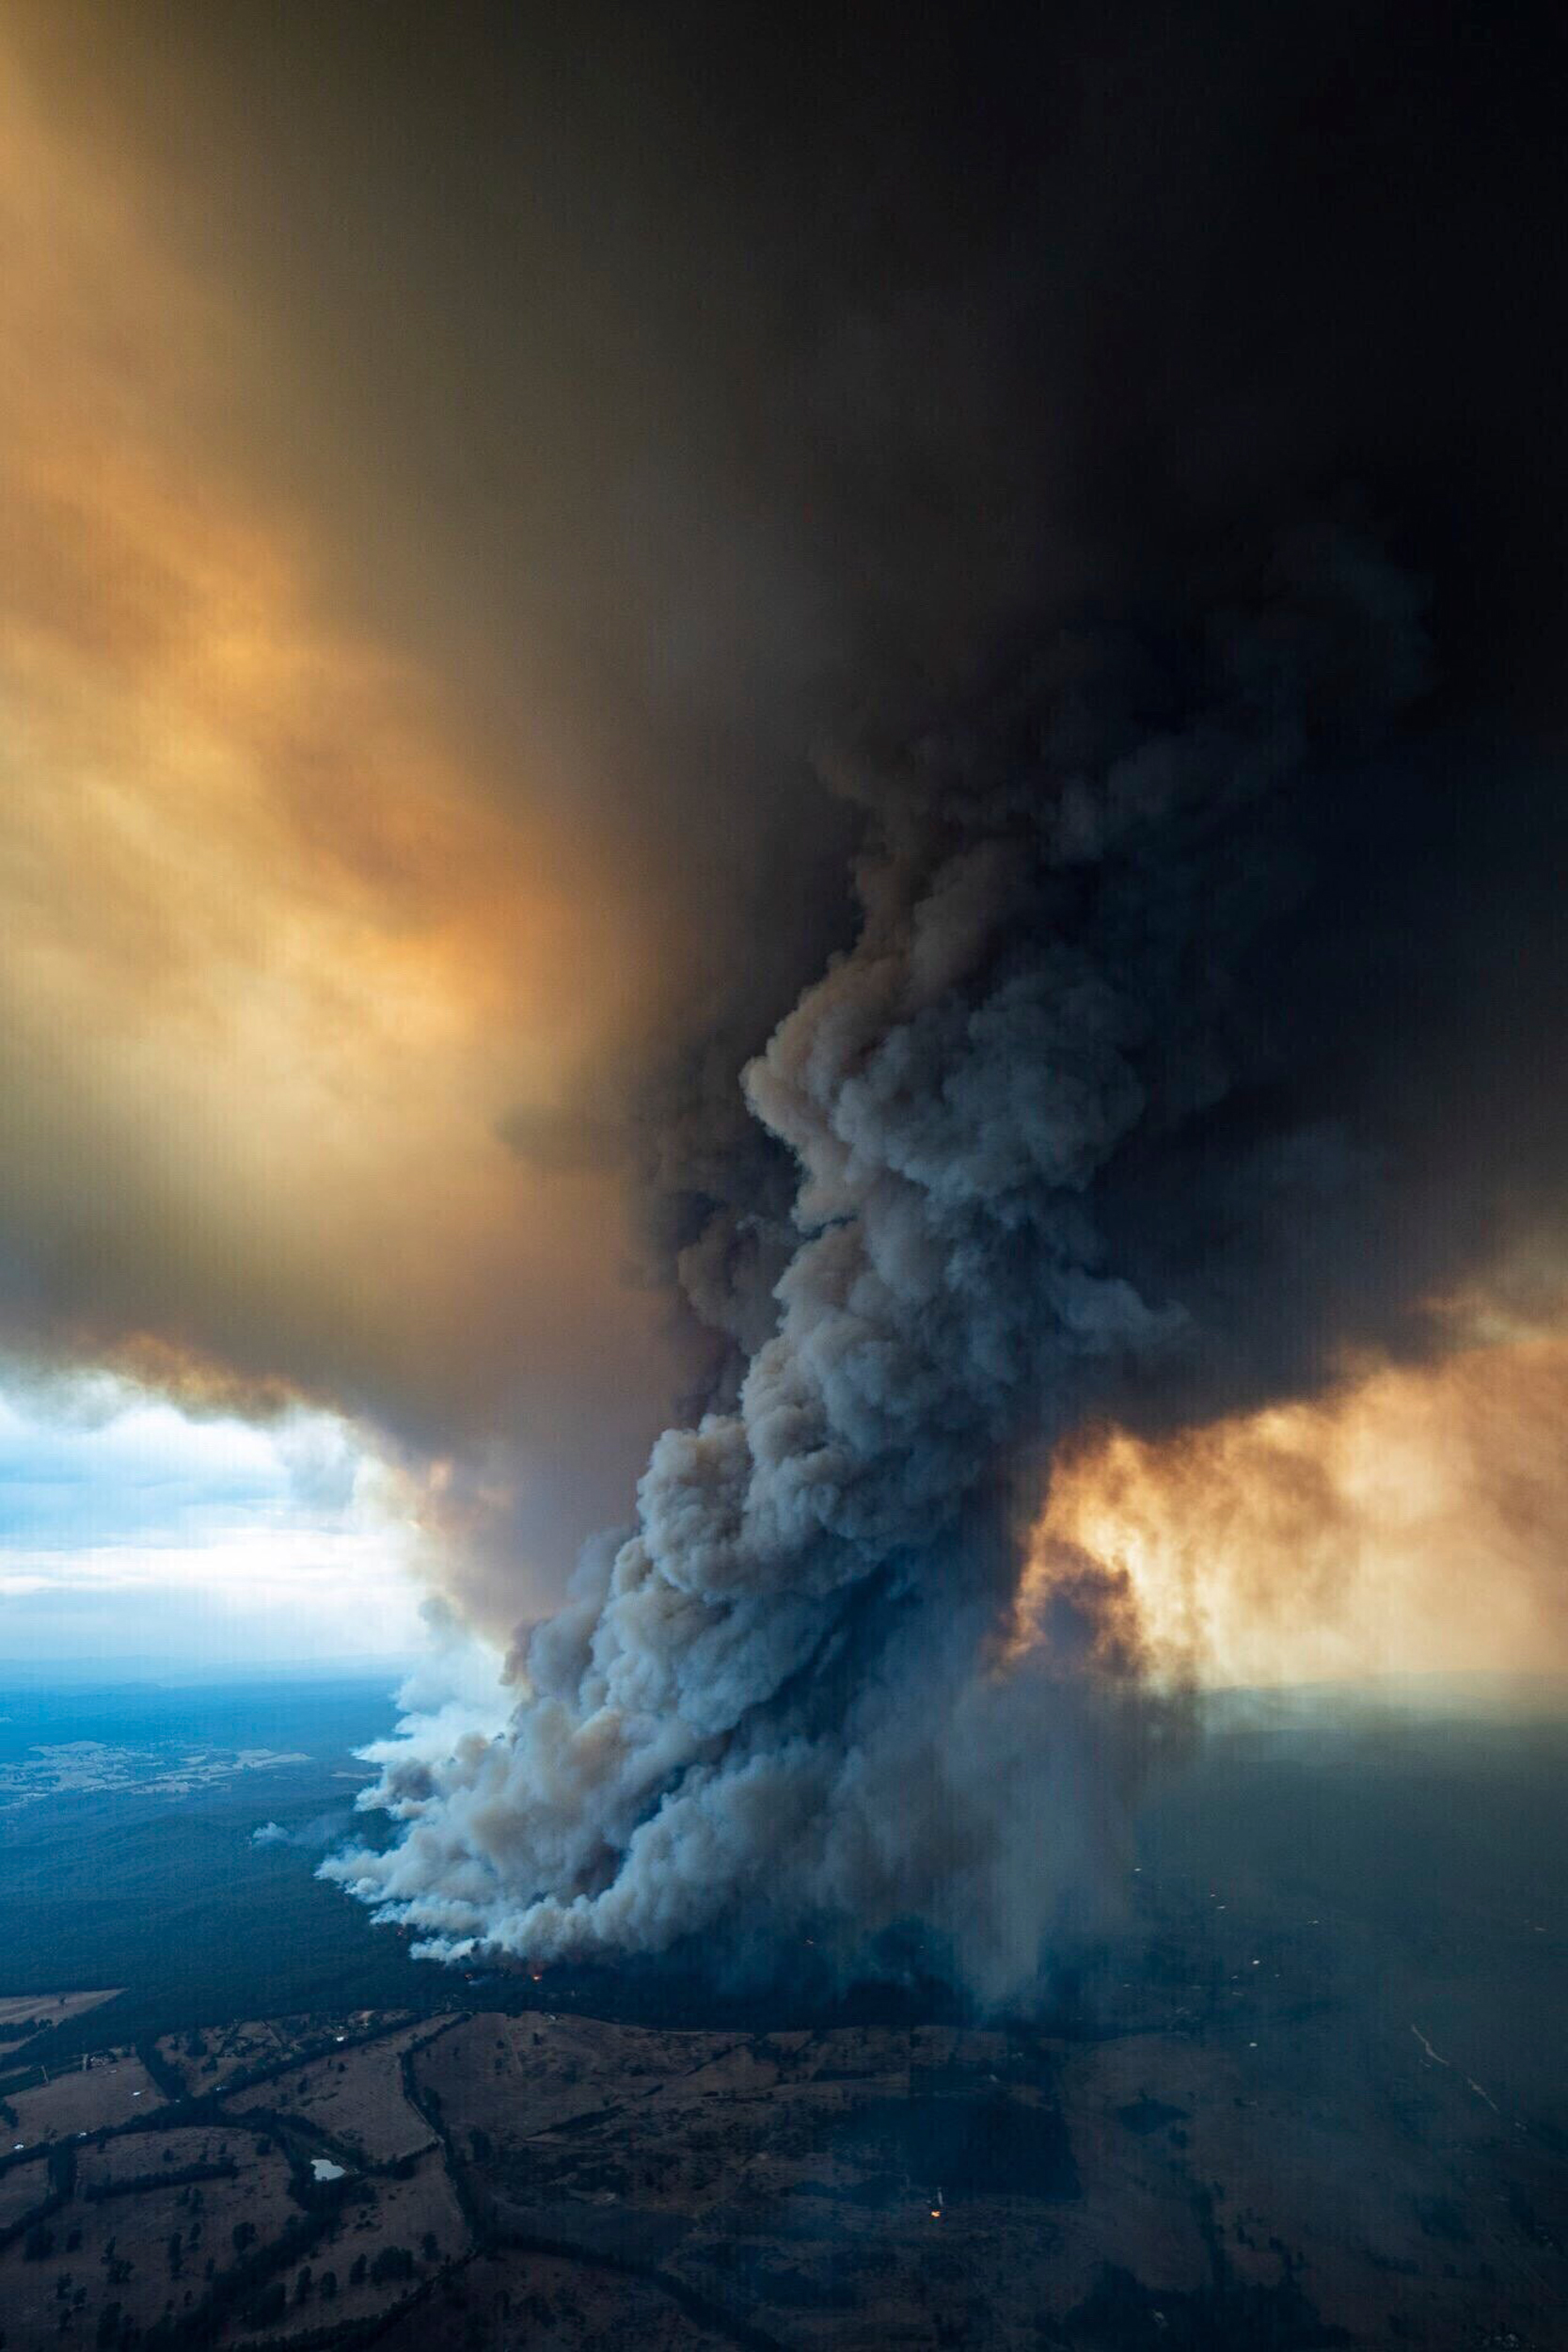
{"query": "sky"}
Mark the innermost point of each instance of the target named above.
(462, 488)
(138, 1540)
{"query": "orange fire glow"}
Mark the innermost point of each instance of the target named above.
(1414, 1519)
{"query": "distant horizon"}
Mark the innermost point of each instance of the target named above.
(184, 1673)
(1488, 1687)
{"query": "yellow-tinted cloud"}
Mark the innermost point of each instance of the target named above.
(275, 955)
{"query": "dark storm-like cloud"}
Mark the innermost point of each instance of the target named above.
(677, 385)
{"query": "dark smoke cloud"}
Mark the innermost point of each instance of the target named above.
(1057, 1146)
(675, 384)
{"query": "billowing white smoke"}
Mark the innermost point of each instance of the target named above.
(793, 1697)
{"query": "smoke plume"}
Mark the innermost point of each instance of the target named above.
(789, 1694)
(458, 474)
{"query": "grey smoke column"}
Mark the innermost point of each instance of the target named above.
(786, 1695)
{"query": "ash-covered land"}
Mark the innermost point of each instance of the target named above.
(1309, 2091)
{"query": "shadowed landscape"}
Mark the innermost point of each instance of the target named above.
(1308, 2092)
